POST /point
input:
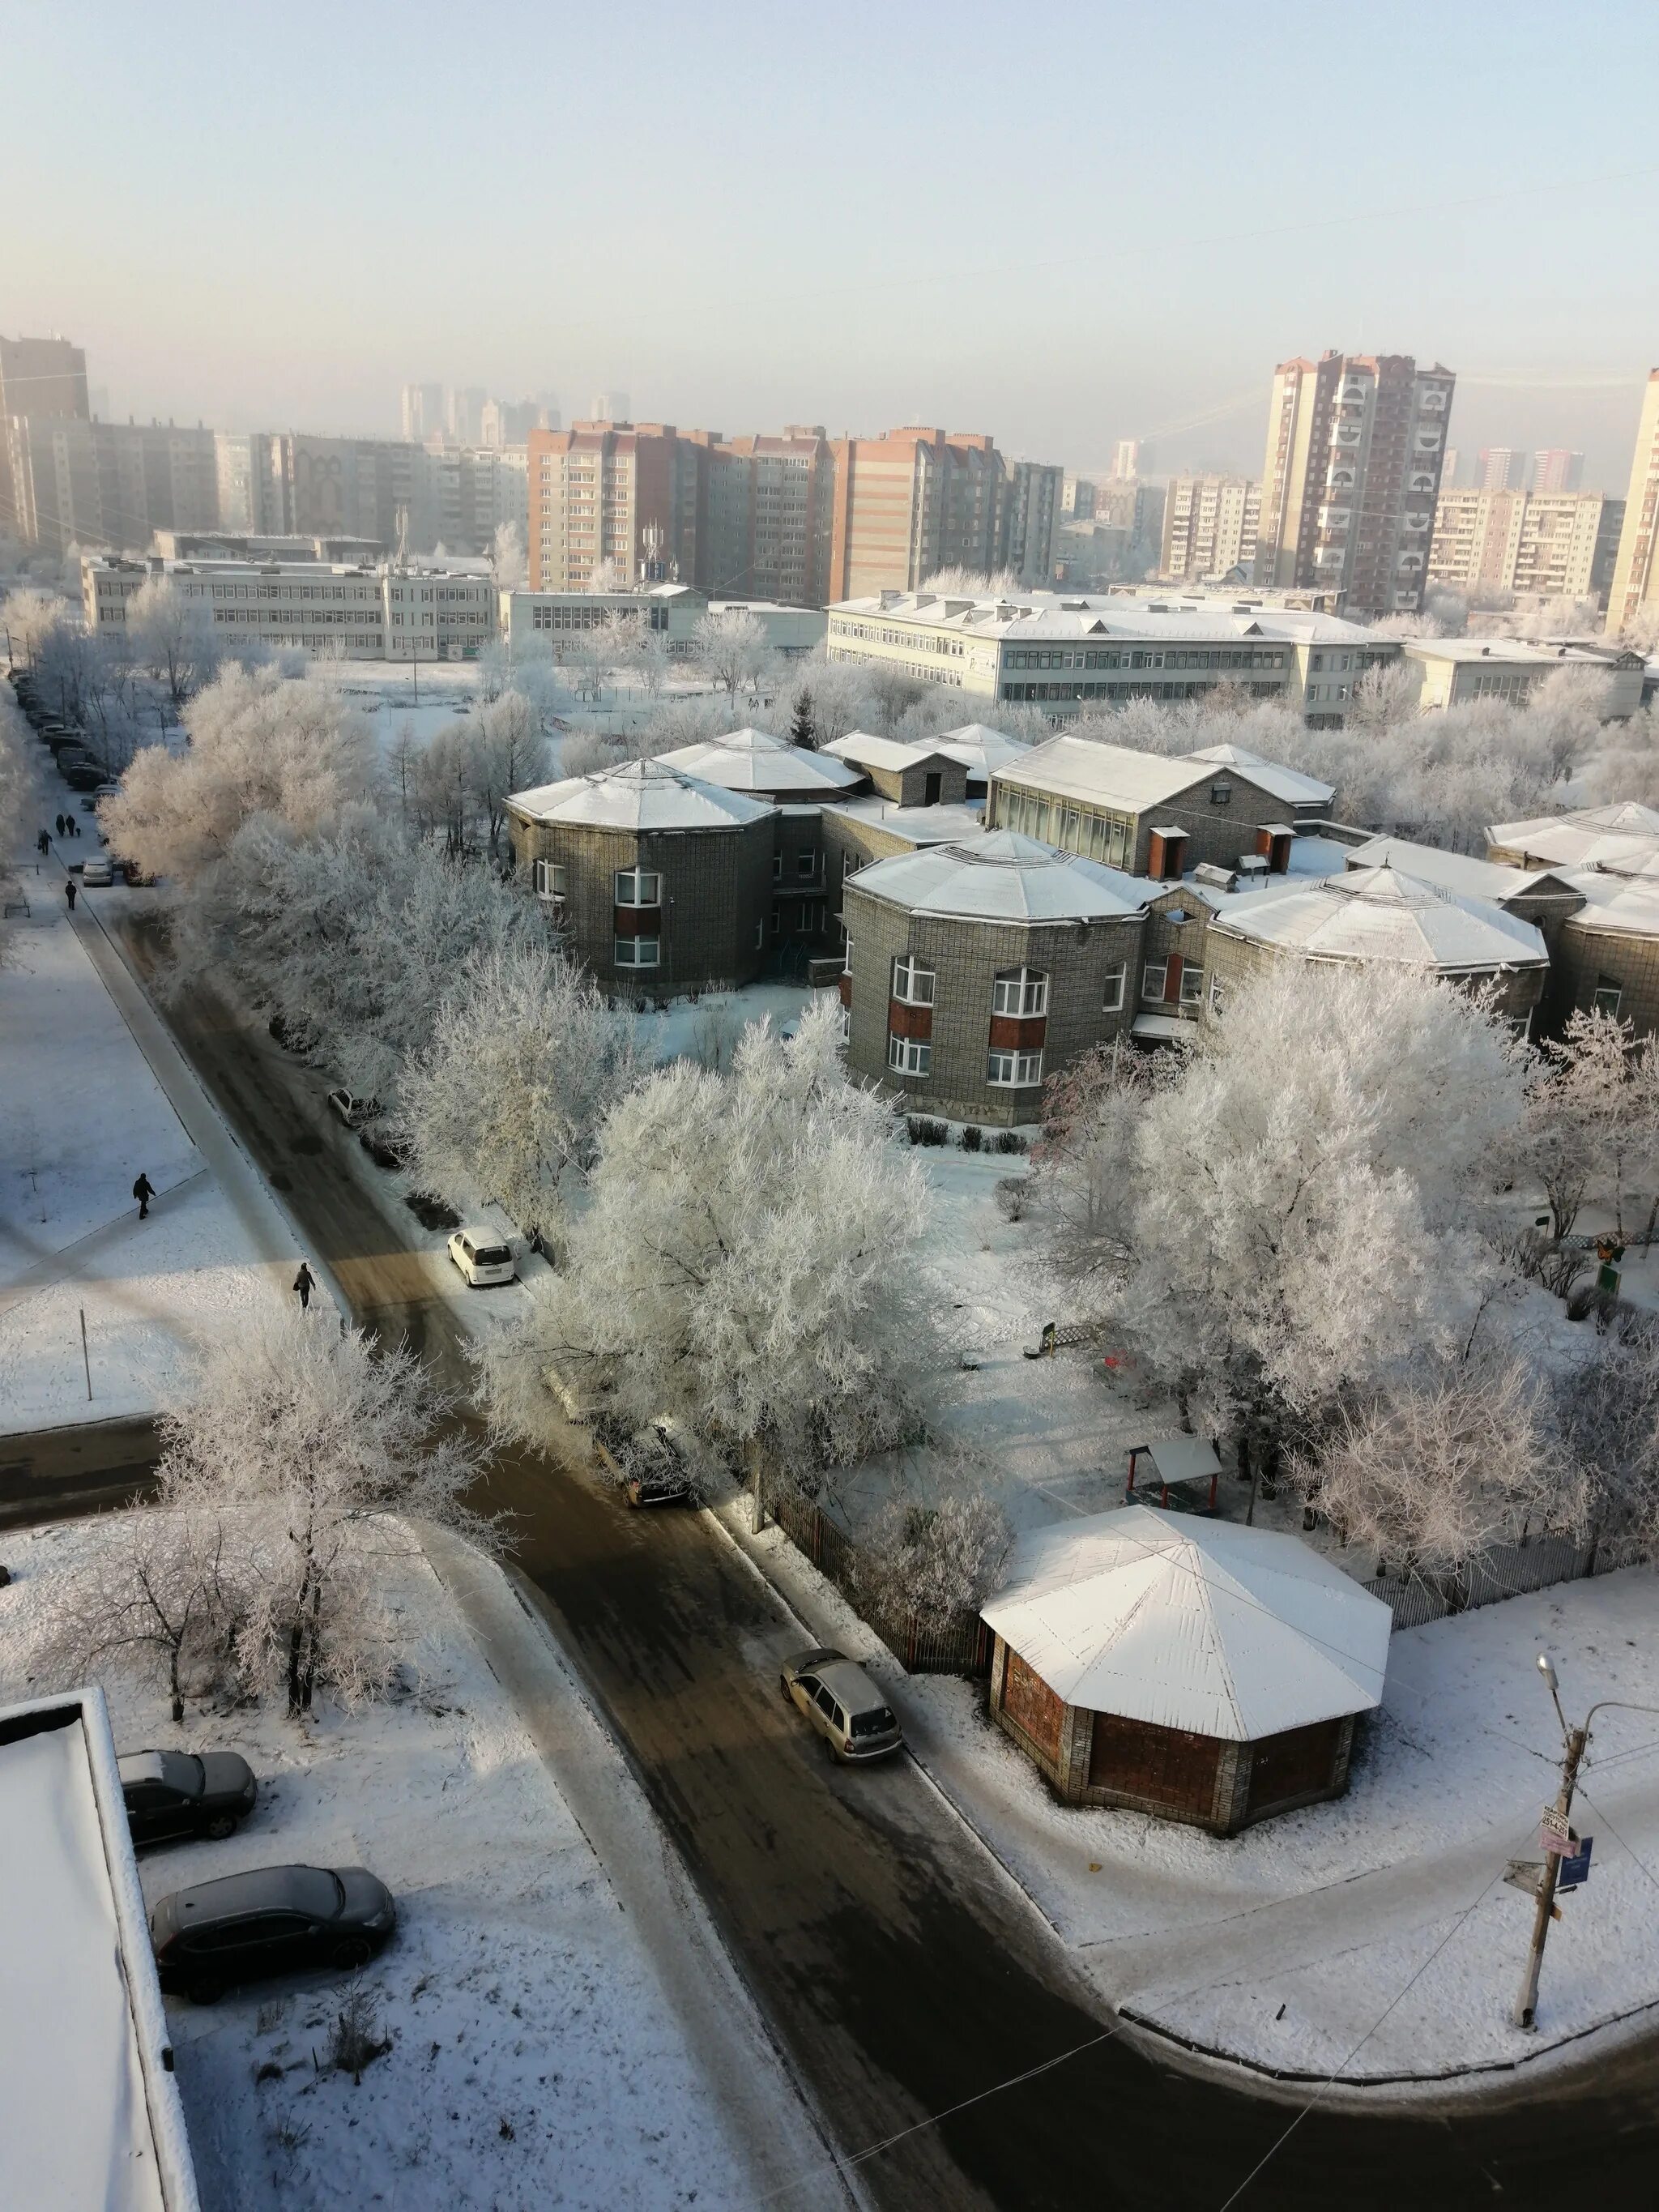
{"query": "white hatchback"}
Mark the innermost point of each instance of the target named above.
(482, 1257)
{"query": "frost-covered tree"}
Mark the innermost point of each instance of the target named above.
(730, 648)
(1298, 1206)
(507, 564)
(172, 636)
(934, 1562)
(28, 617)
(1605, 1419)
(259, 744)
(745, 1263)
(525, 1060)
(306, 1444)
(803, 731)
(508, 751)
(1592, 1121)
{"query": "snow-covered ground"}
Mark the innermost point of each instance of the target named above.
(81, 1115)
(534, 2059)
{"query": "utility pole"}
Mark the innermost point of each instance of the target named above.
(1549, 1874)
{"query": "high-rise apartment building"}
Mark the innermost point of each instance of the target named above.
(910, 503)
(1210, 525)
(610, 406)
(1547, 544)
(1027, 520)
(1503, 468)
(423, 412)
(37, 376)
(1555, 469)
(771, 507)
(464, 407)
(1131, 457)
(71, 481)
(1355, 444)
(1636, 572)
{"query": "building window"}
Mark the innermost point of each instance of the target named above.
(1116, 976)
(639, 887)
(1221, 795)
(913, 984)
(550, 880)
(1013, 1070)
(846, 956)
(1217, 994)
(909, 1055)
(1152, 981)
(637, 952)
(760, 935)
(1608, 995)
(1020, 991)
(805, 864)
(1192, 987)
(777, 867)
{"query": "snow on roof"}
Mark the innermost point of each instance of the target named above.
(1192, 1624)
(1377, 913)
(89, 2113)
(980, 750)
(1166, 616)
(866, 750)
(1591, 836)
(1620, 905)
(922, 825)
(755, 760)
(1284, 783)
(639, 795)
(1112, 775)
(1003, 876)
(1454, 872)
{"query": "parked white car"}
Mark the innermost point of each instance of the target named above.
(482, 1257)
(97, 870)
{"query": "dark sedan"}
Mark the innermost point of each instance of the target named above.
(186, 1793)
(278, 1920)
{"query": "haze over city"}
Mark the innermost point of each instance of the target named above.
(1076, 232)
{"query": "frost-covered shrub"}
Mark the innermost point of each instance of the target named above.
(934, 1562)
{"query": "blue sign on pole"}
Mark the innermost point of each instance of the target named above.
(1574, 1871)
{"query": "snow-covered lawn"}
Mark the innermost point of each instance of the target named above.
(80, 1114)
(534, 2060)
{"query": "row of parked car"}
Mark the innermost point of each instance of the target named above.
(244, 1927)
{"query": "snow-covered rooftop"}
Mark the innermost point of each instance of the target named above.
(978, 747)
(864, 750)
(1284, 783)
(1378, 914)
(1621, 905)
(644, 794)
(755, 760)
(921, 825)
(1028, 616)
(1454, 872)
(1111, 775)
(1004, 877)
(1620, 836)
(1193, 1624)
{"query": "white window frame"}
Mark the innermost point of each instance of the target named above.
(551, 881)
(1602, 993)
(847, 956)
(1192, 986)
(1026, 988)
(1117, 986)
(1218, 994)
(636, 878)
(630, 952)
(910, 1057)
(1161, 969)
(1006, 1069)
(909, 977)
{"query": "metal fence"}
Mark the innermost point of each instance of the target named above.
(962, 1646)
(1504, 1571)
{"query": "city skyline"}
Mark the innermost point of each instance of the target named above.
(774, 284)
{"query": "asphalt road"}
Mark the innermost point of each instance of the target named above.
(898, 1970)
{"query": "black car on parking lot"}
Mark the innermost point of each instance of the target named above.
(278, 1920)
(186, 1793)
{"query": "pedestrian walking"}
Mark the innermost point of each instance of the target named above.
(59, 824)
(68, 892)
(43, 843)
(71, 825)
(143, 1190)
(303, 1283)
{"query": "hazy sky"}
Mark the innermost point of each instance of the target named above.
(1060, 224)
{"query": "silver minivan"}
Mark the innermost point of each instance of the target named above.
(483, 1256)
(843, 1705)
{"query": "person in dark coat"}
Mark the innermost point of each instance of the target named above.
(68, 892)
(71, 825)
(303, 1283)
(143, 1190)
(57, 824)
(43, 843)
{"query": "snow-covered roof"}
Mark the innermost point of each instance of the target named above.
(919, 825)
(1165, 616)
(1003, 876)
(89, 2112)
(1199, 1625)
(978, 747)
(1621, 905)
(864, 750)
(1591, 836)
(1110, 775)
(755, 760)
(1454, 872)
(1378, 914)
(644, 794)
(1284, 783)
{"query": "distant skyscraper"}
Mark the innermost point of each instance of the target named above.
(463, 408)
(1210, 525)
(37, 376)
(610, 406)
(1555, 469)
(1355, 444)
(423, 411)
(1503, 468)
(1636, 572)
(1131, 457)
(1451, 473)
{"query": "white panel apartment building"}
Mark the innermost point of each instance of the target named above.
(1551, 544)
(322, 607)
(1066, 653)
(1210, 525)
